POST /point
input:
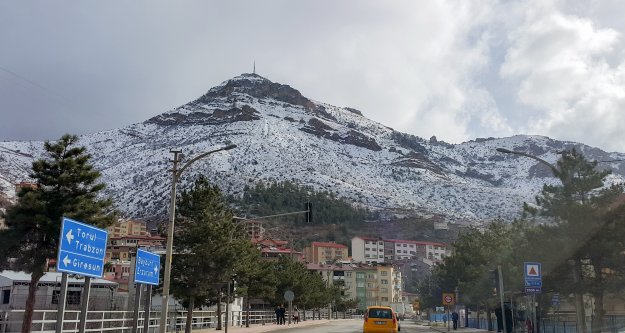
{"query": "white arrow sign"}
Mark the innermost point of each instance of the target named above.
(69, 236)
(66, 260)
(155, 270)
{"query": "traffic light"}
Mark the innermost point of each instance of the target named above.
(494, 276)
(309, 212)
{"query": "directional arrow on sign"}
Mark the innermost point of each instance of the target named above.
(66, 260)
(69, 236)
(155, 270)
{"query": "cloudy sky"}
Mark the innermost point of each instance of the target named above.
(454, 69)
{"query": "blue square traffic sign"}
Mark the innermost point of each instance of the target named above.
(533, 270)
(82, 248)
(147, 266)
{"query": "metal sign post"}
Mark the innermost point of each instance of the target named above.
(146, 309)
(61, 309)
(84, 305)
(135, 320)
(82, 248)
(147, 266)
(289, 296)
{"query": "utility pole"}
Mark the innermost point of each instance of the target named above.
(503, 309)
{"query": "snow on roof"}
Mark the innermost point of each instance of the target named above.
(50, 277)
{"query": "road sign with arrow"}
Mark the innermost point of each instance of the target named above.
(82, 249)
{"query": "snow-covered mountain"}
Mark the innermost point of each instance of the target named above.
(282, 135)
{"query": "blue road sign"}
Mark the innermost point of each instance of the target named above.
(147, 266)
(533, 290)
(533, 270)
(82, 249)
(533, 282)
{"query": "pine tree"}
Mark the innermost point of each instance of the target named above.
(210, 248)
(587, 230)
(66, 186)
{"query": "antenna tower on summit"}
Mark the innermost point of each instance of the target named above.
(254, 67)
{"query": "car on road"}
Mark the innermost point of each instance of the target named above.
(380, 319)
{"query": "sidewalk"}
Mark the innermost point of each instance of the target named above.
(257, 328)
(443, 329)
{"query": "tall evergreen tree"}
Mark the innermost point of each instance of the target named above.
(66, 186)
(587, 230)
(210, 248)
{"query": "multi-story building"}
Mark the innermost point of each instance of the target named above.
(367, 250)
(123, 228)
(324, 253)
(376, 284)
(372, 250)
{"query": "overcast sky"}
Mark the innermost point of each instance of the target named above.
(454, 69)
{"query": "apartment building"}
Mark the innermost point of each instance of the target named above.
(325, 253)
(123, 228)
(375, 250)
(367, 250)
(376, 284)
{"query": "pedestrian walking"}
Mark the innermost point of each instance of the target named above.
(282, 315)
(296, 316)
(454, 318)
(277, 311)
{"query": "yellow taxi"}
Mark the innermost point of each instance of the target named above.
(380, 319)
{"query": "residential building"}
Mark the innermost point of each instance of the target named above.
(118, 271)
(377, 250)
(254, 229)
(123, 228)
(272, 249)
(367, 250)
(325, 253)
(374, 284)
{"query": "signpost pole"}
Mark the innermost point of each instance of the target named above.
(84, 305)
(61, 310)
(503, 309)
(227, 307)
(135, 320)
(534, 309)
(290, 311)
(146, 309)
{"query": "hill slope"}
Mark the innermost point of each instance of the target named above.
(282, 135)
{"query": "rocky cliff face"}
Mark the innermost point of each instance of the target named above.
(282, 135)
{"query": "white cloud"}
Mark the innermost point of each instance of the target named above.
(562, 65)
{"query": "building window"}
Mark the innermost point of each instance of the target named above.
(384, 273)
(348, 274)
(381, 243)
(404, 245)
(384, 290)
(367, 249)
(384, 281)
(384, 299)
(412, 245)
(381, 256)
(6, 296)
(72, 297)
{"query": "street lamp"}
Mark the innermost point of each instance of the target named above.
(170, 231)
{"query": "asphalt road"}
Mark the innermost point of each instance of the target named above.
(354, 326)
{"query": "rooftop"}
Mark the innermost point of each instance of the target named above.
(49, 277)
(328, 244)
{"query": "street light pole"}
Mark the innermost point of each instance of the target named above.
(170, 230)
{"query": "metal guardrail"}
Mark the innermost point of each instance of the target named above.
(44, 321)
